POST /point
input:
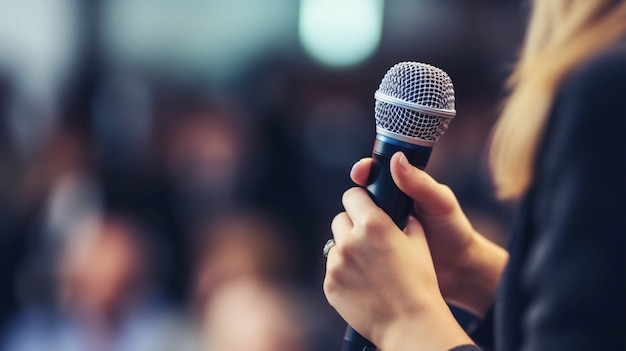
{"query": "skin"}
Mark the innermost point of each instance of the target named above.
(392, 285)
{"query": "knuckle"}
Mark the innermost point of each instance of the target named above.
(330, 292)
(447, 193)
(370, 223)
(336, 220)
(348, 253)
(446, 190)
(348, 194)
(331, 282)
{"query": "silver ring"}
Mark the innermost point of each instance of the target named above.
(329, 245)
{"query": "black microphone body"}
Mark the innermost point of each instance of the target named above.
(381, 186)
(414, 105)
(386, 195)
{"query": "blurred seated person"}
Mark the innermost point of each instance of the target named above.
(104, 301)
(245, 297)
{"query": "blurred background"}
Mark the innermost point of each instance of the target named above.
(169, 169)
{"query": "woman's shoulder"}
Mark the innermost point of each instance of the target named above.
(602, 72)
(594, 93)
(589, 111)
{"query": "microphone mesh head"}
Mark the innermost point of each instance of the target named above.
(415, 83)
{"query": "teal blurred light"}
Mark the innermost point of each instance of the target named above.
(215, 40)
(340, 33)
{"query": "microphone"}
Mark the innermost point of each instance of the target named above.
(414, 106)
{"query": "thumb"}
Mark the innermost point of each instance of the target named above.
(431, 198)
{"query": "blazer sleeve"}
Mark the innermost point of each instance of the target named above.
(575, 273)
(466, 348)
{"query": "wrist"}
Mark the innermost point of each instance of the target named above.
(432, 328)
(477, 276)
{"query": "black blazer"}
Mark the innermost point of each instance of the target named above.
(565, 285)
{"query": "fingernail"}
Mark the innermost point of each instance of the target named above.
(404, 163)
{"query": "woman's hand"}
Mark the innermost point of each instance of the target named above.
(383, 283)
(468, 266)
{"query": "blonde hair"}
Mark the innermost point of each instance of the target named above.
(561, 35)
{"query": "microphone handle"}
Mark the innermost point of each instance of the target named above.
(386, 195)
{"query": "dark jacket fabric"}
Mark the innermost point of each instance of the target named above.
(564, 287)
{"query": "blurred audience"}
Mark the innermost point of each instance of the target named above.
(205, 151)
(241, 244)
(249, 314)
(103, 296)
(245, 297)
(223, 192)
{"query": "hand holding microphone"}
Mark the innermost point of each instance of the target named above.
(371, 274)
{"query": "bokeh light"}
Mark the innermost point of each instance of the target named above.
(340, 32)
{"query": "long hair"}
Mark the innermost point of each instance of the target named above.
(561, 35)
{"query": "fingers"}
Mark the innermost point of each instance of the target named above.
(357, 202)
(431, 198)
(360, 171)
(361, 208)
(340, 225)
